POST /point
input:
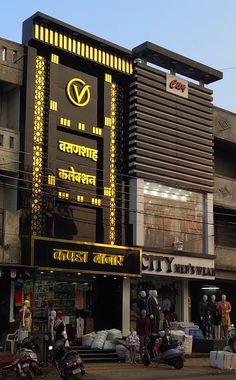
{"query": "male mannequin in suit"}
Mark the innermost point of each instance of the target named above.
(154, 311)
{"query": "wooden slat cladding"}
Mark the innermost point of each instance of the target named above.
(170, 137)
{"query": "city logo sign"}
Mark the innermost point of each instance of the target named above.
(78, 92)
(176, 85)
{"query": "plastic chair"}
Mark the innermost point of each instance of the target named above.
(11, 339)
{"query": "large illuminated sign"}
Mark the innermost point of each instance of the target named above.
(78, 92)
(86, 257)
(80, 150)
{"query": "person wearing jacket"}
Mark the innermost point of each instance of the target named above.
(60, 329)
(143, 328)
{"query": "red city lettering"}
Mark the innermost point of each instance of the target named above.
(177, 85)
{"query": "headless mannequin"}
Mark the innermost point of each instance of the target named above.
(52, 318)
(142, 301)
(25, 321)
(205, 317)
(79, 327)
(224, 310)
(215, 316)
(154, 311)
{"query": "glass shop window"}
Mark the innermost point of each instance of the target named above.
(173, 218)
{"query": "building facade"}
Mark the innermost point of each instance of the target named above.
(73, 227)
(171, 156)
(116, 177)
(11, 79)
(224, 204)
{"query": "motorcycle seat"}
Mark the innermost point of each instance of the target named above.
(166, 347)
(6, 360)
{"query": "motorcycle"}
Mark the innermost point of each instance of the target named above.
(161, 349)
(68, 362)
(23, 364)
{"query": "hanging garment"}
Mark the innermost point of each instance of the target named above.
(79, 327)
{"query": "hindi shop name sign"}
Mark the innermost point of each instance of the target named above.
(178, 266)
(92, 258)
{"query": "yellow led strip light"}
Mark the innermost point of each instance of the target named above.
(85, 50)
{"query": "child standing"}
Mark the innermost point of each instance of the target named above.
(132, 341)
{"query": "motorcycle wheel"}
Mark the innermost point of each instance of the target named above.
(36, 369)
(178, 363)
(29, 374)
(145, 359)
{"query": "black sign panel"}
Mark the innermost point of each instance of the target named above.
(85, 257)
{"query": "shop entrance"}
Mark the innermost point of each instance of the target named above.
(94, 299)
(107, 303)
(198, 289)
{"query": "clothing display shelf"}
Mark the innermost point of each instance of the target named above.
(62, 295)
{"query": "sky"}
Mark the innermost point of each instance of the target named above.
(203, 30)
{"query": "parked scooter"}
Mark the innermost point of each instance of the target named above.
(231, 346)
(31, 350)
(161, 349)
(68, 362)
(24, 363)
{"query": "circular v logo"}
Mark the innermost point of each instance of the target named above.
(78, 92)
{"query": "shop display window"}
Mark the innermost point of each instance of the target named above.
(169, 297)
(173, 218)
(70, 293)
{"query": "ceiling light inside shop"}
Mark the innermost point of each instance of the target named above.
(51, 271)
(167, 193)
(210, 288)
(79, 274)
(85, 283)
(42, 272)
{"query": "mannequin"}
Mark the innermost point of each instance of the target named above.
(142, 301)
(224, 310)
(154, 311)
(214, 310)
(25, 321)
(205, 317)
(79, 327)
(52, 318)
(166, 304)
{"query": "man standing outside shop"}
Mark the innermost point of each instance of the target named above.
(143, 327)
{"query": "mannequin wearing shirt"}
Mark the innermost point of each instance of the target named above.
(154, 311)
(79, 327)
(205, 317)
(52, 318)
(25, 321)
(224, 310)
(214, 309)
(142, 301)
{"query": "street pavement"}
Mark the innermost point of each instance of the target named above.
(193, 368)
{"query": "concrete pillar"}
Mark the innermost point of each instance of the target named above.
(185, 301)
(136, 214)
(136, 219)
(209, 224)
